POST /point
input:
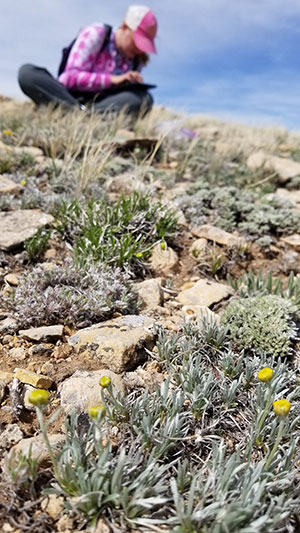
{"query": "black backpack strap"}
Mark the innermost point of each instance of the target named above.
(135, 64)
(66, 51)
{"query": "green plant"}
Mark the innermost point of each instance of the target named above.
(37, 245)
(262, 324)
(116, 233)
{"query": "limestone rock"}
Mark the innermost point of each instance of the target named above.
(12, 279)
(212, 233)
(125, 183)
(43, 334)
(204, 292)
(291, 196)
(82, 390)
(292, 240)
(8, 325)
(10, 435)
(32, 151)
(150, 292)
(118, 344)
(163, 261)
(36, 380)
(17, 226)
(8, 186)
(38, 447)
(198, 248)
(17, 353)
(27, 390)
(41, 349)
(144, 379)
(285, 168)
(53, 506)
(195, 312)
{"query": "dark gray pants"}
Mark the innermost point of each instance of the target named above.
(42, 88)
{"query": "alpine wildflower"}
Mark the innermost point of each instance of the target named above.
(265, 374)
(97, 411)
(39, 397)
(282, 408)
(104, 382)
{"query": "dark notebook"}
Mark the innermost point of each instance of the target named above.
(128, 85)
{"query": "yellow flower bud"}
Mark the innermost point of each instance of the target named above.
(39, 397)
(97, 411)
(104, 382)
(265, 374)
(282, 407)
(163, 245)
(139, 254)
(7, 132)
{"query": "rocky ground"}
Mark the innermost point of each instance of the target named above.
(234, 194)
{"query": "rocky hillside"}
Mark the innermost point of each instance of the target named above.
(149, 323)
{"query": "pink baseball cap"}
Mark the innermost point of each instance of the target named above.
(143, 23)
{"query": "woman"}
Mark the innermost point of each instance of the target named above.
(103, 68)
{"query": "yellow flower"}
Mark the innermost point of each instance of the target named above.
(97, 411)
(265, 374)
(23, 183)
(39, 397)
(7, 132)
(282, 407)
(104, 382)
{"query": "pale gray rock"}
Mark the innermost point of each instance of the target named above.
(12, 279)
(212, 233)
(18, 353)
(292, 240)
(198, 248)
(38, 447)
(143, 379)
(285, 168)
(163, 261)
(150, 292)
(125, 183)
(10, 436)
(204, 293)
(8, 325)
(17, 226)
(27, 390)
(82, 390)
(292, 196)
(8, 186)
(119, 344)
(195, 312)
(32, 151)
(43, 333)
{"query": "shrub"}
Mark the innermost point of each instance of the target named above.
(78, 297)
(262, 324)
(231, 209)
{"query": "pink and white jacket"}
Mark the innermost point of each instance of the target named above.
(89, 70)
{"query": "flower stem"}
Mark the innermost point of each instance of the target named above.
(40, 417)
(264, 415)
(276, 444)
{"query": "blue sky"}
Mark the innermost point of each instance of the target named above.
(231, 59)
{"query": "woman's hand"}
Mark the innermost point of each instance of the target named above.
(132, 76)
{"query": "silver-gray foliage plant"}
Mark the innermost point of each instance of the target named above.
(74, 296)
